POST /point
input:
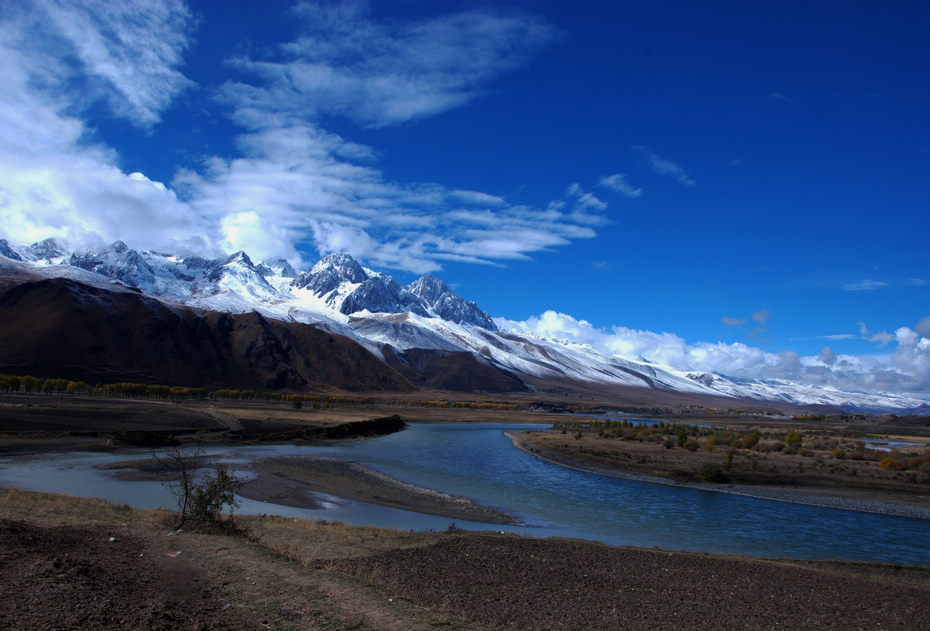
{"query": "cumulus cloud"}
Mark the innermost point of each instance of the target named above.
(619, 184)
(906, 370)
(55, 181)
(923, 326)
(827, 356)
(662, 166)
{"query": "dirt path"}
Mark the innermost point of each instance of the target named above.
(83, 564)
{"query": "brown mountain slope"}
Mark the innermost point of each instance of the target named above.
(63, 328)
(450, 370)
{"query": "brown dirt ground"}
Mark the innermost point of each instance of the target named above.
(60, 571)
(512, 583)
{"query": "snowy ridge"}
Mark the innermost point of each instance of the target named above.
(370, 307)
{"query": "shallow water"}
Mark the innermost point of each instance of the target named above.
(477, 461)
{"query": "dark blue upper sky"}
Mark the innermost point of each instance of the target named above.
(741, 173)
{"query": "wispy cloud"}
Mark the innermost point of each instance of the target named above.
(126, 54)
(292, 185)
(778, 96)
(733, 321)
(864, 285)
(917, 282)
(619, 184)
(838, 336)
(347, 63)
(665, 167)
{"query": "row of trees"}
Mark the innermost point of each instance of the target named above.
(36, 385)
(30, 384)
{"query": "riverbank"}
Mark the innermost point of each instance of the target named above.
(552, 448)
(81, 563)
(298, 480)
(292, 481)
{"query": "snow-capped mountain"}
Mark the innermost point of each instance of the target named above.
(389, 319)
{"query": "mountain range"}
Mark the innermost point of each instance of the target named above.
(232, 322)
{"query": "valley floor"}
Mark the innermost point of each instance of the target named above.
(80, 563)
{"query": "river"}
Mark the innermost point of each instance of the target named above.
(477, 461)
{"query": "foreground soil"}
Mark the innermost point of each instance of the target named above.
(508, 583)
(61, 570)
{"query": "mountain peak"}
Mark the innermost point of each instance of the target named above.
(331, 271)
(240, 257)
(48, 251)
(279, 267)
(446, 304)
(8, 252)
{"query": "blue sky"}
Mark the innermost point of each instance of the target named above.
(736, 186)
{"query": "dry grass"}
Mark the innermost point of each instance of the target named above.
(310, 542)
(50, 509)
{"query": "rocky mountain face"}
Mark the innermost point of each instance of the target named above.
(440, 300)
(423, 333)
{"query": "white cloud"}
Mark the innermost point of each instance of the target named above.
(383, 73)
(666, 167)
(838, 336)
(619, 184)
(865, 285)
(906, 370)
(54, 180)
(882, 338)
(293, 183)
(125, 53)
